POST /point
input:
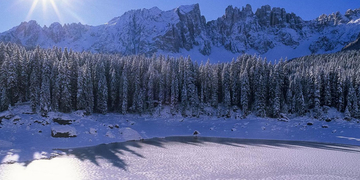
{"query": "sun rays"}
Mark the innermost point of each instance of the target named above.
(53, 9)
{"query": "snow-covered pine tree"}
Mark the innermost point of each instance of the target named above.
(81, 101)
(136, 87)
(73, 68)
(352, 101)
(340, 92)
(214, 86)
(184, 96)
(259, 105)
(102, 89)
(4, 101)
(327, 91)
(234, 81)
(89, 88)
(35, 78)
(45, 98)
(9, 70)
(347, 114)
(174, 91)
(150, 88)
(245, 88)
(124, 90)
(317, 106)
(162, 81)
(65, 103)
(300, 102)
(55, 84)
(33, 91)
(226, 86)
(22, 76)
(276, 100)
(114, 87)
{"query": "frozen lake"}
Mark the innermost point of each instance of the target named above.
(196, 158)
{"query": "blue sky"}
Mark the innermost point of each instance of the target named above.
(96, 12)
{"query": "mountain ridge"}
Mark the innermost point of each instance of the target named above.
(269, 32)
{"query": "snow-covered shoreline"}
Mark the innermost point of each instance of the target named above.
(24, 136)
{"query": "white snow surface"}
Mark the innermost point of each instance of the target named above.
(196, 158)
(31, 135)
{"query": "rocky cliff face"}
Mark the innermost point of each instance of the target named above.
(355, 45)
(240, 30)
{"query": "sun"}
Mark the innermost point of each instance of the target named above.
(57, 10)
(45, 6)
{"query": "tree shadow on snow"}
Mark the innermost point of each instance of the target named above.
(115, 152)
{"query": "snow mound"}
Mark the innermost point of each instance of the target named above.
(42, 155)
(93, 131)
(110, 134)
(6, 115)
(63, 131)
(129, 134)
(10, 158)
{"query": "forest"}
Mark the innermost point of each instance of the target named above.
(65, 81)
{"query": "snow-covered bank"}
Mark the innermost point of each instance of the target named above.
(23, 136)
(196, 158)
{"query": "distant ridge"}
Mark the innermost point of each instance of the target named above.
(269, 32)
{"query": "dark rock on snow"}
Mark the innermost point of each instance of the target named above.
(63, 121)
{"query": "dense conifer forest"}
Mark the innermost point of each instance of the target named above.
(65, 81)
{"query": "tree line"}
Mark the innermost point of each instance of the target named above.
(65, 81)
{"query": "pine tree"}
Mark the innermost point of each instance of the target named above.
(234, 81)
(300, 102)
(81, 100)
(347, 114)
(184, 96)
(35, 78)
(341, 100)
(55, 86)
(124, 91)
(114, 88)
(88, 89)
(226, 86)
(73, 68)
(33, 91)
(102, 89)
(245, 88)
(327, 92)
(214, 87)
(174, 93)
(4, 100)
(45, 101)
(64, 79)
(9, 79)
(317, 108)
(150, 88)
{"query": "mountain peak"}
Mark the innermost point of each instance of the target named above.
(270, 31)
(184, 9)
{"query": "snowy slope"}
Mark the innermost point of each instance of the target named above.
(269, 32)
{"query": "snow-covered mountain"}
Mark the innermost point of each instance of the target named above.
(270, 32)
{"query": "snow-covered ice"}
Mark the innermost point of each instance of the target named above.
(197, 158)
(30, 139)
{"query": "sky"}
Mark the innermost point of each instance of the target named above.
(97, 12)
